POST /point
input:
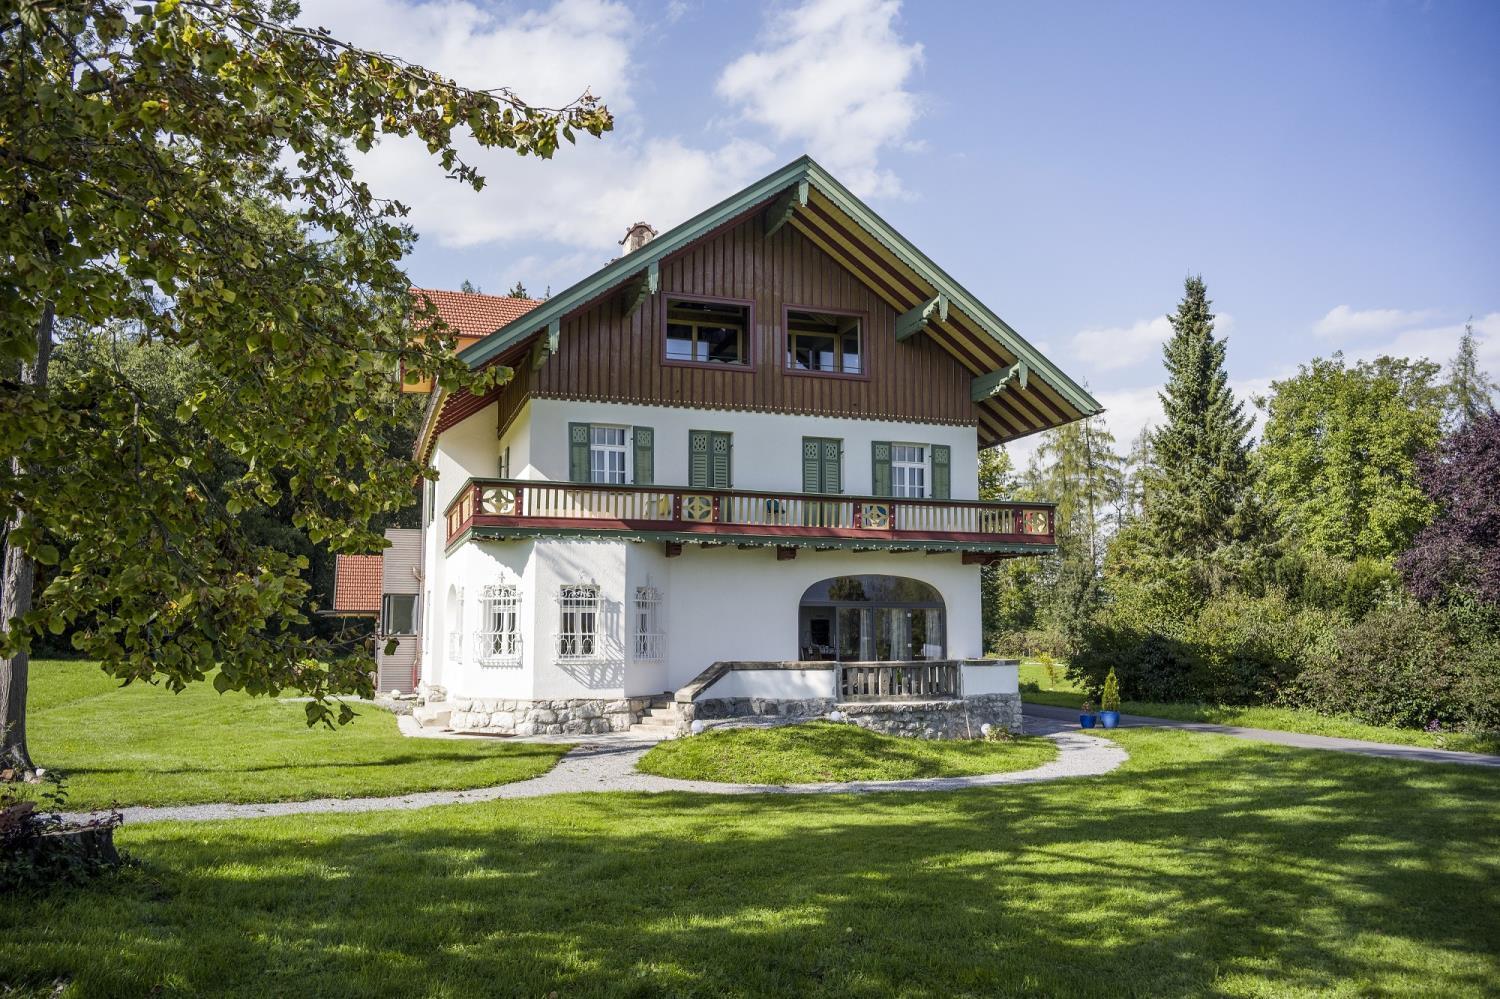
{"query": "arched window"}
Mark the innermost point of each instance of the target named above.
(872, 619)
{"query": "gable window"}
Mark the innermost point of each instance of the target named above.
(716, 333)
(608, 458)
(498, 641)
(648, 636)
(578, 621)
(909, 470)
(824, 342)
(398, 614)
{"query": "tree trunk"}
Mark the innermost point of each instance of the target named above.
(16, 584)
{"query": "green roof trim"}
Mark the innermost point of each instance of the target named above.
(801, 171)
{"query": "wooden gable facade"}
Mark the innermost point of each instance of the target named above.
(611, 353)
(796, 239)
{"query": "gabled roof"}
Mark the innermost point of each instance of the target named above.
(471, 314)
(357, 583)
(1016, 389)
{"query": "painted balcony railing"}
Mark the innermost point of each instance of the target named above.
(899, 681)
(726, 514)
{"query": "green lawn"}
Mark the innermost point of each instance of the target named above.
(144, 745)
(1205, 866)
(815, 752)
(1284, 720)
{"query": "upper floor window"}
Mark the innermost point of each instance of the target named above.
(708, 332)
(824, 342)
(909, 470)
(609, 460)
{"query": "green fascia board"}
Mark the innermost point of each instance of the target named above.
(803, 170)
(850, 544)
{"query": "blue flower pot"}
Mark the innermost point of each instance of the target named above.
(1111, 719)
(1087, 721)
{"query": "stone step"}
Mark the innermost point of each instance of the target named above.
(657, 721)
(433, 715)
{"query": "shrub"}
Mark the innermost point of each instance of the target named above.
(1234, 649)
(1110, 699)
(1406, 665)
(34, 852)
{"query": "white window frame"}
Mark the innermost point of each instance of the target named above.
(648, 640)
(578, 631)
(901, 485)
(599, 448)
(497, 641)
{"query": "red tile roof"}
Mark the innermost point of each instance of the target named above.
(472, 314)
(356, 584)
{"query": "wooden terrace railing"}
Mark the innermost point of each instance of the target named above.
(730, 512)
(905, 681)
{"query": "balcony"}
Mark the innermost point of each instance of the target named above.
(983, 531)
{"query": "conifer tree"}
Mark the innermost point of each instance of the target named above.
(1471, 392)
(1197, 496)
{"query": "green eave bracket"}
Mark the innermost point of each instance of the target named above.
(644, 285)
(910, 323)
(782, 209)
(547, 346)
(990, 385)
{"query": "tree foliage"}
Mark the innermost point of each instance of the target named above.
(1339, 453)
(186, 168)
(1197, 502)
(1458, 554)
(1471, 391)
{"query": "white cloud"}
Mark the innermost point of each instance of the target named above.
(1439, 343)
(832, 77)
(1342, 322)
(568, 212)
(1115, 347)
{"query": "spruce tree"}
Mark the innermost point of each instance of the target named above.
(1197, 497)
(1471, 392)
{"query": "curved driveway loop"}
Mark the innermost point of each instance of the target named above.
(601, 766)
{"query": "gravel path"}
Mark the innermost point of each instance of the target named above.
(610, 766)
(1384, 750)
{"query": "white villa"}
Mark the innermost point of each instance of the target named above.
(735, 472)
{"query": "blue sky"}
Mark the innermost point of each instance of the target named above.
(1332, 169)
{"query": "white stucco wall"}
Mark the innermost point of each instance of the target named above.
(717, 604)
(991, 678)
(766, 449)
(786, 684)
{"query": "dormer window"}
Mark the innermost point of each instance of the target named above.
(824, 342)
(708, 332)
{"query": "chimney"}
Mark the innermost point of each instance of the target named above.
(637, 236)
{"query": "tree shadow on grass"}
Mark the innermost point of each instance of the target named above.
(500, 751)
(1245, 869)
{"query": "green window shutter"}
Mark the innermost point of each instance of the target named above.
(578, 452)
(942, 460)
(833, 472)
(644, 439)
(720, 447)
(880, 462)
(812, 465)
(698, 459)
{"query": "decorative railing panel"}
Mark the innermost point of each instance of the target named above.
(905, 681)
(492, 502)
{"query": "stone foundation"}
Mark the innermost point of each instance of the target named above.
(564, 717)
(718, 708)
(947, 719)
(954, 719)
